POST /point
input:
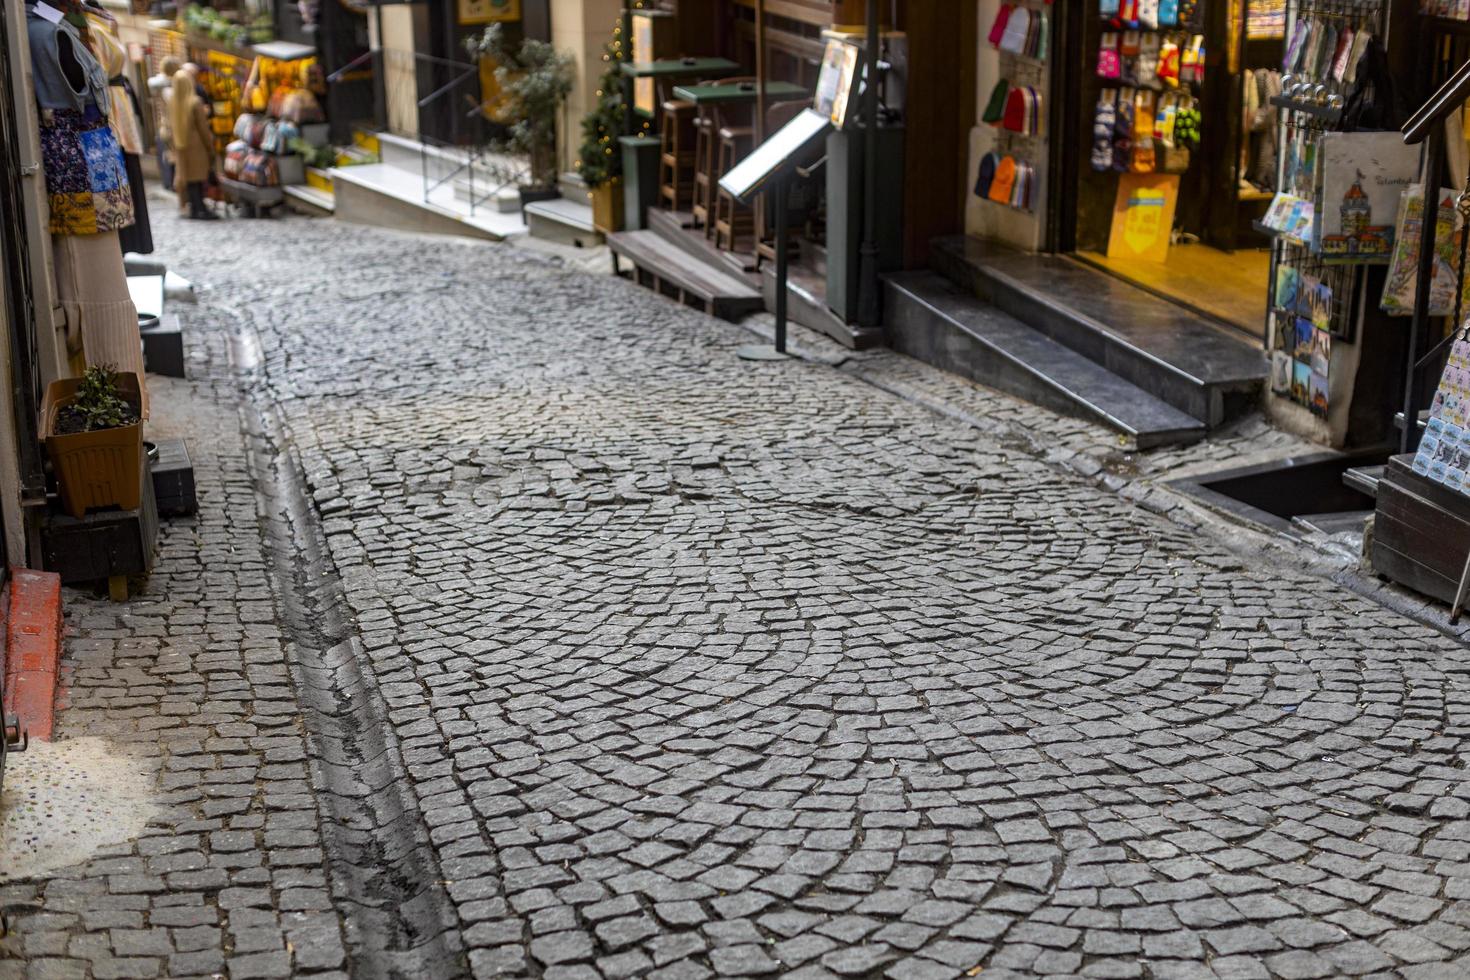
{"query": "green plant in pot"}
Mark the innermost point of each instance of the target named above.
(598, 158)
(93, 428)
(535, 79)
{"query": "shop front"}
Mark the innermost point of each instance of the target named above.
(1200, 193)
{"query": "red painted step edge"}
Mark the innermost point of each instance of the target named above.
(33, 628)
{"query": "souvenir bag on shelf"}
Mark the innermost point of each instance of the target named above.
(1128, 57)
(243, 124)
(1104, 119)
(1293, 53)
(985, 175)
(1148, 14)
(998, 26)
(1109, 63)
(1005, 180)
(1345, 41)
(995, 109)
(1169, 63)
(234, 159)
(1108, 9)
(1373, 102)
(259, 169)
(300, 106)
(1040, 45)
(1168, 13)
(1018, 25)
(1144, 159)
(1192, 62)
(1148, 60)
(1123, 132)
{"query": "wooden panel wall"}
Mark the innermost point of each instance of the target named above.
(940, 110)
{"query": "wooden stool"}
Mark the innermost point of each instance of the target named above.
(732, 219)
(676, 162)
(705, 150)
(704, 165)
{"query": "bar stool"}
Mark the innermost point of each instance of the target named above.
(705, 147)
(677, 161)
(732, 219)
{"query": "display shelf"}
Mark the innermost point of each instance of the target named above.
(1448, 25)
(1328, 114)
(1266, 229)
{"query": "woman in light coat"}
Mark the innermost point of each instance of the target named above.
(193, 144)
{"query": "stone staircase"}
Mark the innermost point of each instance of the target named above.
(1073, 338)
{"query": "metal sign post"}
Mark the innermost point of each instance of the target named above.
(755, 352)
(768, 168)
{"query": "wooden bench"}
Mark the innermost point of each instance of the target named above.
(669, 270)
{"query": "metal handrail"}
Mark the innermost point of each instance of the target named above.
(474, 152)
(1426, 126)
(360, 59)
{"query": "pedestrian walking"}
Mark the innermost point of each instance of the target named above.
(161, 87)
(193, 144)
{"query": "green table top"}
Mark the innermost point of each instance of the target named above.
(731, 94)
(673, 67)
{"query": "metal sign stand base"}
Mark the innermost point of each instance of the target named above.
(754, 352)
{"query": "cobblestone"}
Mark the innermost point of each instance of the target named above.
(696, 667)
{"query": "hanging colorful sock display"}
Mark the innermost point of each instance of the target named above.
(1104, 122)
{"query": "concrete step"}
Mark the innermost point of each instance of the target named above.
(493, 196)
(306, 199)
(447, 163)
(384, 195)
(1186, 360)
(563, 220)
(932, 319)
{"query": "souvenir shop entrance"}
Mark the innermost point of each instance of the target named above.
(1168, 159)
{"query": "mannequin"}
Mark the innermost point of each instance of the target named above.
(193, 145)
(123, 117)
(87, 189)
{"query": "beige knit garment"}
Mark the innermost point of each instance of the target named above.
(93, 290)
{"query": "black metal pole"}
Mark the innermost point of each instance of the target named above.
(868, 312)
(782, 250)
(1433, 148)
(627, 80)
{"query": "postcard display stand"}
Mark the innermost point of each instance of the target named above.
(1334, 218)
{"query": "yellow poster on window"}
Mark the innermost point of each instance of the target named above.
(1143, 215)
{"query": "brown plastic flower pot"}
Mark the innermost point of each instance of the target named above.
(95, 469)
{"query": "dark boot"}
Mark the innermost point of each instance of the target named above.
(197, 207)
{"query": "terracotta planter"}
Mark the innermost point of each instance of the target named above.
(607, 206)
(95, 469)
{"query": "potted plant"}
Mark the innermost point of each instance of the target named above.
(535, 80)
(93, 429)
(598, 159)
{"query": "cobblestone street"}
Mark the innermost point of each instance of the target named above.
(536, 635)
